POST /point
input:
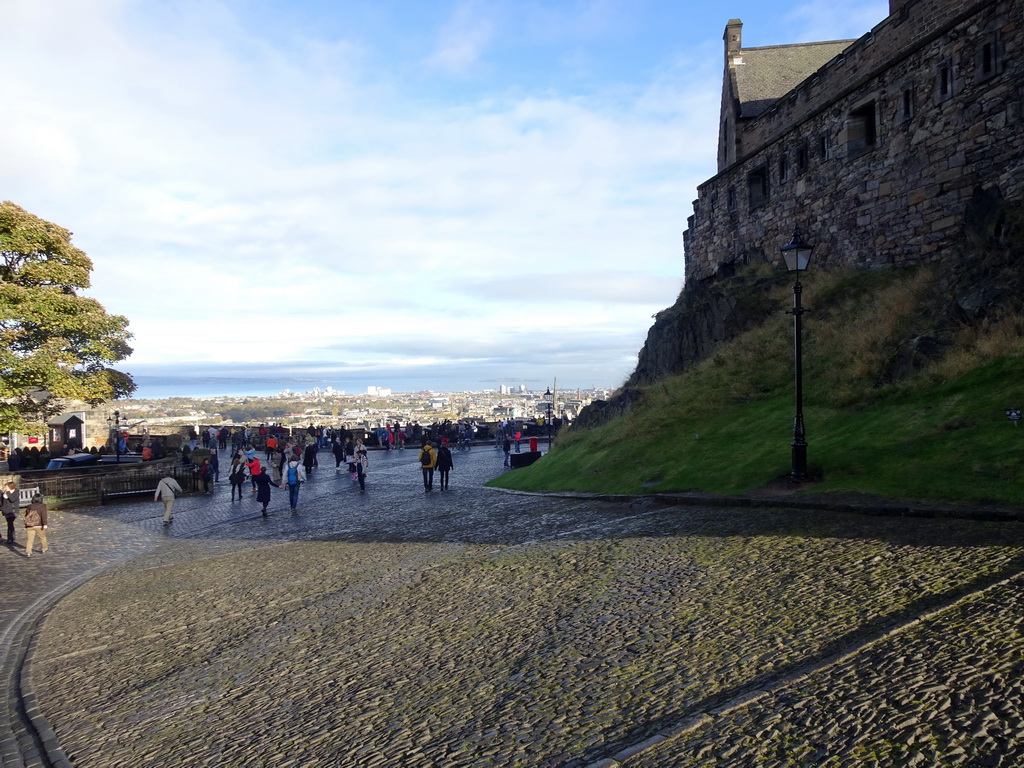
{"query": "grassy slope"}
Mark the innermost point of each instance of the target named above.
(942, 434)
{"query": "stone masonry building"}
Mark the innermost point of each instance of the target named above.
(873, 147)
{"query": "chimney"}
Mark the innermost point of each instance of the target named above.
(734, 40)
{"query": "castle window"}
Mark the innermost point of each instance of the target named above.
(730, 199)
(943, 82)
(757, 187)
(823, 147)
(986, 61)
(907, 102)
(783, 168)
(861, 130)
(802, 161)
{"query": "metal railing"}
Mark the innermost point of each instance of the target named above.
(61, 488)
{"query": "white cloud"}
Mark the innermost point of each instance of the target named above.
(464, 38)
(246, 202)
(828, 20)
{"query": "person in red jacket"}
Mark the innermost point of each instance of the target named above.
(254, 469)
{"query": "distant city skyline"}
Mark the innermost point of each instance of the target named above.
(251, 384)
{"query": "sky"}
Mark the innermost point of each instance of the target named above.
(414, 194)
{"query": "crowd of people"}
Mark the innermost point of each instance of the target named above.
(286, 461)
(282, 460)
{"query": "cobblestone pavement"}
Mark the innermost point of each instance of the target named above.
(479, 628)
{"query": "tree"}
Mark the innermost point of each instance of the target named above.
(54, 344)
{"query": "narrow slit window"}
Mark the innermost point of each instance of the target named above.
(757, 187)
(861, 130)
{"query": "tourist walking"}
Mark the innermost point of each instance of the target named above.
(206, 475)
(294, 475)
(350, 457)
(253, 464)
(263, 483)
(506, 446)
(276, 460)
(166, 491)
(35, 525)
(9, 507)
(362, 462)
(445, 464)
(239, 471)
(309, 457)
(428, 460)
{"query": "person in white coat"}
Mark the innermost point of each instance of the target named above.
(166, 491)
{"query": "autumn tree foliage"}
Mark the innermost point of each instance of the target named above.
(54, 344)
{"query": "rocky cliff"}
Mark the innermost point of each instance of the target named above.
(980, 281)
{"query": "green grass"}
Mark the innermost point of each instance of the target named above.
(725, 425)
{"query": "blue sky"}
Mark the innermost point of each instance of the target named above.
(449, 194)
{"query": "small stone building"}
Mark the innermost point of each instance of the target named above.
(874, 147)
(67, 429)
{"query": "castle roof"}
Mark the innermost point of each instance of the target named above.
(763, 75)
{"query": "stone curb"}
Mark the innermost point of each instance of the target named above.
(879, 507)
(20, 639)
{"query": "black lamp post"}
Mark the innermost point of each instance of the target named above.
(550, 402)
(798, 255)
(117, 434)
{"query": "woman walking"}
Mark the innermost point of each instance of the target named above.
(263, 483)
(239, 471)
(445, 464)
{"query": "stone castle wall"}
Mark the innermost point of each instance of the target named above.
(876, 155)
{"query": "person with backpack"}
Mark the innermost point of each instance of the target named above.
(428, 460)
(294, 476)
(35, 525)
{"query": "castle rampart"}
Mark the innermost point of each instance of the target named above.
(875, 154)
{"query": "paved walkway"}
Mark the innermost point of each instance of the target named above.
(480, 628)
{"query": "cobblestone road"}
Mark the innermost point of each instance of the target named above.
(478, 628)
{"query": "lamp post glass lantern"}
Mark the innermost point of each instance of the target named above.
(549, 400)
(798, 257)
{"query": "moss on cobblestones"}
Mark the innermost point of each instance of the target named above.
(337, 653)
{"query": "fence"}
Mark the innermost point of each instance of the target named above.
(98, 487)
